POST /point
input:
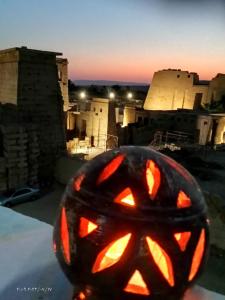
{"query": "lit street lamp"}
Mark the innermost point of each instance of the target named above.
(111, 95)
(82, 95)
(129, 95)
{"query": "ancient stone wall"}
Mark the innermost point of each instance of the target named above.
(129, 115)
(217, 88)
(8, 76)
(20, 151)
(40, 102)
(174, 89)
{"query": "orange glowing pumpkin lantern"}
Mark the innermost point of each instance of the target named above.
(132, 225)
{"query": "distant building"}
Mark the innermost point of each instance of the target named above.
(29, 80)
(175, 89)
(96, 124)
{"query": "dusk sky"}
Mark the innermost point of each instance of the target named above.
(123, 40)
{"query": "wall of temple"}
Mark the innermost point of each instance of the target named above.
(176, 89)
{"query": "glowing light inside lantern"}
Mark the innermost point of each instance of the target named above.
(86, 227)
(81, 296)
(125, 198)
(182, 239)
(111, 254)
(78, 181)
(162, 260)
(65, 236)
(198, 254)
(110, 168)
(183, 200)
(153, 178)
(137, 285)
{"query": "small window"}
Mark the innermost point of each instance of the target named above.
(94, 109)
(100, 109)
(178, 76)
(189, 76)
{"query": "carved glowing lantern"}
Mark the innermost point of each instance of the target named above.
(132, 225)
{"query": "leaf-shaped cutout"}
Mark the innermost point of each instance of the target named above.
(182, 239)
(183, 200)
(136, 285)
(78, 181)
(162, 260)
(153, 178)
(86, 227)
(125, 198)
(110, 168)
(111, 254)
(65, 236)
(198, 254)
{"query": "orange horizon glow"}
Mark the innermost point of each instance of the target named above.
(121, 69)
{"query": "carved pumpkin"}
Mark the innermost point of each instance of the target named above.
(132, 225)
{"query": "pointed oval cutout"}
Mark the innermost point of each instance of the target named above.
(125, 198)
(182, 239)
(86, 227)
(197, 257)
(65, 236)
(111, 254)
(162, 260)
(136, 285)
(78, 181)
(183, 200)
(153, 178)
(110, 168)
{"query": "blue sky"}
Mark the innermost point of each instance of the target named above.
(120, 39)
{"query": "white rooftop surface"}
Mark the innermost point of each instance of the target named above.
(29, 269)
